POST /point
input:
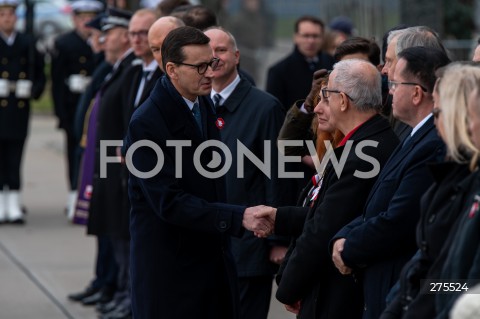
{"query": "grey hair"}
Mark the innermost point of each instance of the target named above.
(394, 34)
(361, 81)
(419, 36)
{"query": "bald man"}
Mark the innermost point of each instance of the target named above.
(157, 33)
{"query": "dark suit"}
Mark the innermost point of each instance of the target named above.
(72, 56)
(16, 64)
(440, 207)
(308, 274)
(251, 117)
(133, 77)
(181, 266)
(382, 240)
(108, 214)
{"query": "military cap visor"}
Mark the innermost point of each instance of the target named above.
(116, 18)
(86, 6)
(9, 3)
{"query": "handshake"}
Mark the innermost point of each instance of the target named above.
(260, 220)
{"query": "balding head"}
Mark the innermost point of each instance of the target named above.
(157, 33)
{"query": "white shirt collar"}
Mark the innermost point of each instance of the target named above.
(226, 92)
(10, 39)
(190, 103)
(419, 125)
(152, 66)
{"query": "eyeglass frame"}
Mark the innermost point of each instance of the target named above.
(140, 34)
(213, 64)
(436, 112)
(324, 94)
(392, 85)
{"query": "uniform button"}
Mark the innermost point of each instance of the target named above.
(82, 59)
(5, 74)
(223, 224)
(22, 75)
(4, 103)
(21, 104)
(83, 72)
(4, 61)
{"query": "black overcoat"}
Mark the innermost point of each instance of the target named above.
(308, 274)
(181, 265)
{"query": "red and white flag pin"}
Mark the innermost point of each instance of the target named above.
(220, 123)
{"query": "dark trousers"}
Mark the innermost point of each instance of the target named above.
(121, 249)
(11, 153)
(106, 268)
(72, 159)
(255, 294)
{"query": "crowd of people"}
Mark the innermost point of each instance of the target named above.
(352, 183)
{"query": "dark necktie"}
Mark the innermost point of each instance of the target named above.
(141, 87)
(216, 100)
(198, 116)
(406, 140)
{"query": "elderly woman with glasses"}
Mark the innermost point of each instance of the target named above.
(444, 201)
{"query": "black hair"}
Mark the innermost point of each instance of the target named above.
(172, 47)
(423, 62)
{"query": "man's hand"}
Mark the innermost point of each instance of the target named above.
(317, 76)
(260, 225)
(295, 308)
(277, 254)
(268, 213)
(337, 257)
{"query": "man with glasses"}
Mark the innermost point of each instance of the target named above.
(308, 283)
(181, 264)
(379, 242)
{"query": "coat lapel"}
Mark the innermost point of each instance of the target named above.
(400, 153)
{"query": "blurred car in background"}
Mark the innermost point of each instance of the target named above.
(51, 17)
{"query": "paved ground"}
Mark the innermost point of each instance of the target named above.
(43, 261)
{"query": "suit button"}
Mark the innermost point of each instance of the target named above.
(83, 72)
(82, 59)
(22, 75)
(4, 103)
(21, 104)
(4, 61)
(223, 224)
(5, 74)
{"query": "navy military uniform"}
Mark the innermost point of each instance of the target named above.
(73, 63)
(21, 78)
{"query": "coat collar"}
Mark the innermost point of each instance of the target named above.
(237, 96)
(178, 116)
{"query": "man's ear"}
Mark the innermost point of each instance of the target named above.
(344, 103)
(418, 95)
(171, 70)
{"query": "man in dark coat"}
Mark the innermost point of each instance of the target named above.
(108, 212)
(21, 78)
(181, 265)
(380, 241)
(291, 79)
(72, 66)
(137, 81)
(251, 117)
(309, 284)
